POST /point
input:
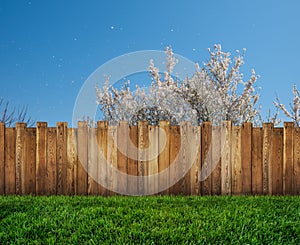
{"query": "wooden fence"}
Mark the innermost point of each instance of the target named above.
(44, 160)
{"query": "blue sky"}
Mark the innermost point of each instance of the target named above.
(49, 48)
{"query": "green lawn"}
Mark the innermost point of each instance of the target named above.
(149, 220)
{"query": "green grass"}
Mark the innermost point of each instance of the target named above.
(149, 220)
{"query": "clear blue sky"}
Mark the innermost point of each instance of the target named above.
(49, 48)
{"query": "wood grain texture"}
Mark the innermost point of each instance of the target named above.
(195, 145)
(236, 158)
(143, 144)
(226, 158)
(2, 158)
(256, 156)
(30, 171)
(246, 158)
(122, 163)
(153, 159)
(267, 158)
(20, 158)
(288, 161)
(51, 162)
(72, 161)
(41, 158)
(82, 147)
(175, 160)
(10, 154)
(216, 160)
(132, 184)
(102, 169)
(296, 153)
(206, 166)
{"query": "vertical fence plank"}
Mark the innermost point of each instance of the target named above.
(132, 161)
(164, 157)
(143, 144)
(296, 176)
(10, 170)
(288, 135)
(256, 165)
(246, 157)
(20, 158)
(61, 157)
(267, 158)
(236, 158)
(92, 162)
(226, 158)
(41, 158)
(153, 159)
(30, 171)
(72, 161)
(82, 146)
(102, 148)
(112, 154)
(51, 161)
(216, 160)
(277, 162)
(2, 158)
(122, 138)
(185, 128)
(175, 144)
(195, 145)
(206, 135)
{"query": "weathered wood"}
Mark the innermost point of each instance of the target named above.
(164, 157)
(10, 169)
(153, 160)
(175, 144)
(20, 157)
(122, 138)
(51, 162)
(82, 147)
(102, 150)
(61, 157)
(288, 135)
(30, 171)
(277, 162)
(72, 161)
(195, 145)
(236, 158)
(246, 158)
(256, 157)
(216, 160)
(92, 162)
(2, 158)
(143, 144)
(226, 158)
(41, 158)
(185, 128)
(296, 146)
(112, 154)
(267, 158)
(132, 150)
(206, 166)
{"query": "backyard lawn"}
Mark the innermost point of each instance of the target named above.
(149, 220)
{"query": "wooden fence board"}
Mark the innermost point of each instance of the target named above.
(82, 147)
(71, 161)
(122, 138)
(92, 162)
(206, 157)
(226, 158)
(296, 146)
(175, 145)
(277, 162)
(61, 158)
(20, 157)
(41, 158)
(112, 154)
(2, 159)
(236, 151)
(267, 158)
(288, 135)
(195, 145)
(10, 169)
(30, 171)
(153, 159)
(185, 132)
(246, 158)
(143, 143)
(164, 157)
(102, 148)
(256, 157)
(216, 160)
(51, 161)
(132, 161)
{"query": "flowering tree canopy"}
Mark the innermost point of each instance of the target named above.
(215, 92)
(294, 111)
